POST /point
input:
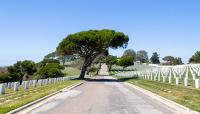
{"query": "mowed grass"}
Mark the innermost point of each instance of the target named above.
(185, 96)
(71, 71)
(12, 100)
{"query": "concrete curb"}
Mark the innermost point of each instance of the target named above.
(44, 98)
(171, 104)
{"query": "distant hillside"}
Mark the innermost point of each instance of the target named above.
(3, 70)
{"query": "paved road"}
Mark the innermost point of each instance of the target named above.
(103, 96)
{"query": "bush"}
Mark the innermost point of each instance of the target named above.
(50, 70)
(92, 69)
(126, 61)
(5, 78)
(21, 70)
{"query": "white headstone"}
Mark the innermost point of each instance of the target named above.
(2, 88)
(185, 81)
(164, 79)
(197, 83)
(177, 80)
(26, 84)
(40, 82)
(9, 85)
(12, 84)
(34, 83)
(46, 82)
(16, 86)
(50, 80)
(159, 76)
(151, 76)
(30, 83)
(194, 77)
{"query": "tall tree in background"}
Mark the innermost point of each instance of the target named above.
(195, 58)
(142, 56)
(90, 44)
(177, 61)
(170, 60)
(130, 52)
(155, 58)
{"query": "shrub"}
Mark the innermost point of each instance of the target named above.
(5, 78)
(50, 70)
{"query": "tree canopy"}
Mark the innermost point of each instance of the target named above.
(50, 70)
(21, 69)
(110, 61)
(195, 58)
(155, 58)
(89, 44)
(170, 60)
(130, 52)
(142, 56)
(126, 61)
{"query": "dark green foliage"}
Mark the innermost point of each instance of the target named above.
(110, 61)
(92, 69)
(155, 58)
(20, 69)
(47, 61)
(28, 67)
(90, 44)
(178, 61)
(5, 78)
(142, 56)
(195, 58)
(50, 70)
(130, 52)
(126, 61)
(168, 59)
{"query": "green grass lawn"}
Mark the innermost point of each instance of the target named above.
(12, 100)
(185, 96)
(71, 71)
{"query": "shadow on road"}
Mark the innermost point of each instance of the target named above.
(109, 80)
(101, 80)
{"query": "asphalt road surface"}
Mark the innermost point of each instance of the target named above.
(103, 95)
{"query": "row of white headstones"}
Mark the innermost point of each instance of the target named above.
(176, 72)
(126, 74)
(26, 84)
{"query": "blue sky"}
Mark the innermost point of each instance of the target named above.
(30, 29)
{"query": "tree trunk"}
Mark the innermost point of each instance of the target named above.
(83, 70)
(110, 67)
(87, 62)
(63, 61)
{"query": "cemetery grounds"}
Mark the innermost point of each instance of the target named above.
(161, 80)
(12, 100)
